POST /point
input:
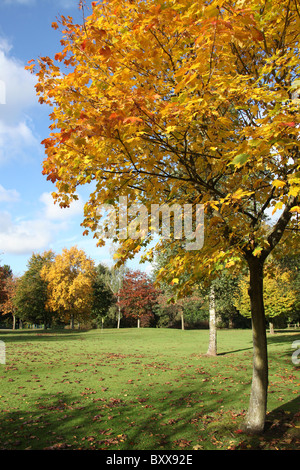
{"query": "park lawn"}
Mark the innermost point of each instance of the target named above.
(139, 389)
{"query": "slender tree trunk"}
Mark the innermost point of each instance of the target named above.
(138, 322)
(182, 321)
(255, 419)
(72, 322)
(14, 322)
(119, 313)
(271, 326)
(212, 346)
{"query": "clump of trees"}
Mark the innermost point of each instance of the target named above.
(69, 289)
(56, 290)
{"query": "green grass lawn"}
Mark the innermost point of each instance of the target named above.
(142, 389)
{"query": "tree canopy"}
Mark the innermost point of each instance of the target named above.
(31, 291)
(69, 281)
(195, 103)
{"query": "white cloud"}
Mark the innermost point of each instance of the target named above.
(40, 232)
(17, 142)
(17, 95)
(63, 3)
(8, 195)
(24, 236)
(55, 212)
(18, 83)
(20, 2)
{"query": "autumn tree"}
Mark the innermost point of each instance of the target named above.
(291, 264)
(279, 296)
(70, 285)
(138, 298)
(8, 306)
(191, 103)
(5, 272)
(31, 291)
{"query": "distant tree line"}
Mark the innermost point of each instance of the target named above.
(69, 289)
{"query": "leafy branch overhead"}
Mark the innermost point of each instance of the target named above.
(195, 103)
(188, 102)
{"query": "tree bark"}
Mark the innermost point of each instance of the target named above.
(212, 345)
(255, 419)
(182, 320)
(119, 314)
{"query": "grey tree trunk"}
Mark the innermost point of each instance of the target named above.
(212, 345)
(255, 419)
(119, 313)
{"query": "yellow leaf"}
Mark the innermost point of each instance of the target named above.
(278, 183)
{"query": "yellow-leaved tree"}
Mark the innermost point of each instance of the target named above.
(279, 296)
(189, 102)
(70, 285)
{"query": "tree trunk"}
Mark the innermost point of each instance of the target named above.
(119, 313)
(72, 322)
(212, 346)
(138, 322)
(182, 321)
(14, 322)
(255, 419)
(271, 326)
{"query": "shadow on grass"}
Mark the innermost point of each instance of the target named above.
(12, 336)
(176, 422)
(169, 419)
(283, 337)
(281, 430)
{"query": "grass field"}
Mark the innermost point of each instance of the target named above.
(139, 389)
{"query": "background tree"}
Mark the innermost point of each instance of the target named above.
(8, 306)
(291, 263)
(31, 292)
(138, 298)
(187, 312)
(279, 296)
(5, 272)
(226, 288)
(191, 102)
(70, 285)
(115, 282)
(103, 296)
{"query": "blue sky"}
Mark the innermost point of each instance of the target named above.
(29, 221)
